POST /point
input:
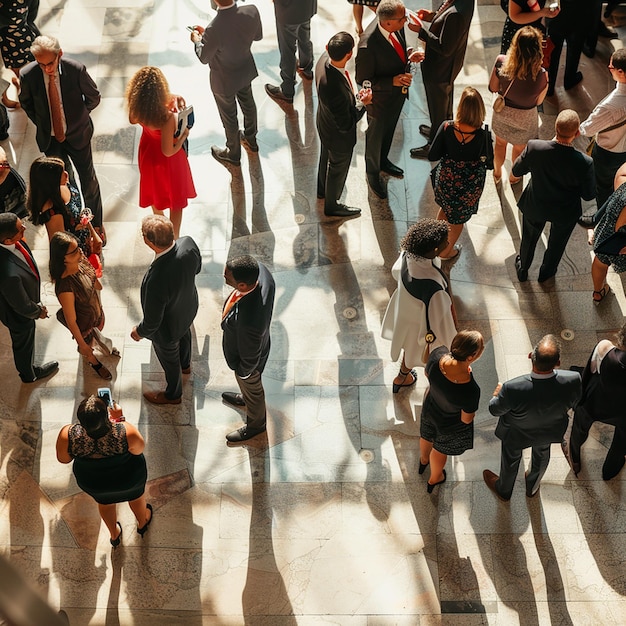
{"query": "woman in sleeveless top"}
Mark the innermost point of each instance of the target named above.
(421, 302)
(450, 403)
(108, 462)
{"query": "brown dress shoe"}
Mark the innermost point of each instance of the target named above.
(159, 397)
(490, 480)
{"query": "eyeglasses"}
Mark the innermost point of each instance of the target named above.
(45, 65)
(4, 165)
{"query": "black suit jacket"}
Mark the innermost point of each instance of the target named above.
(446, 41)
(294, 11)
(79, 94)
(226, 46)
(378, 62)
(533, 411)
(169, 297)
(337, 114)
(246, 340)
(560, 177)
(19, 290)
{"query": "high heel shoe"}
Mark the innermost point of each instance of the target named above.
(412, 373)
(116, 542)
(142, 531)
(102, 371)
(422, 468)
(603, 293)
(430, 487)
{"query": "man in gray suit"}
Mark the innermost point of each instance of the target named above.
(533, 413)
(169, 300)
(225, 45)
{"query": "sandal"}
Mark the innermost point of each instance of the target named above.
(142, 531)
(412, 373)
(102, 371)
(457, 250)
(603, 293)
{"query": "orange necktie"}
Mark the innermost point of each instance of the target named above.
(234, 297)
(55, 109)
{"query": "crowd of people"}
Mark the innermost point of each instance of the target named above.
(58, 95)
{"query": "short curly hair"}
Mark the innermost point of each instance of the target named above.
(424, 236)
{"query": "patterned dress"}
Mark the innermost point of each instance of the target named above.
(17, 31)
(606, 227)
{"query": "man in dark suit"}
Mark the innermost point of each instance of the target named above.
(560, 176)
(246, 320)
(446, 42)
(337, 116)
(225, 45)
(169, 300)
(20, 302)
(293, 29)
(533, 413)
(52, 84)
(382, 59)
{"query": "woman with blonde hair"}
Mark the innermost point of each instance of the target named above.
(165, 180)
(523, 83)
(464, 150)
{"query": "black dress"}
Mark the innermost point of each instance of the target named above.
(441, 413)
(104, 468)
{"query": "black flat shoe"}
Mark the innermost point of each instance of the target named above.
(422, 468)
(430, 487)
(116, 542)
(142, 531)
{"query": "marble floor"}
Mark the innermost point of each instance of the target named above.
(325, 521)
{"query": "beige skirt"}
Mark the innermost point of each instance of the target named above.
(516, 126)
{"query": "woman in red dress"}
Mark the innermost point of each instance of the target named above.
(165, 180)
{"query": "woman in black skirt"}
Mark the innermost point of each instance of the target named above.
(450, 404)
(108, 462)
(357, 11)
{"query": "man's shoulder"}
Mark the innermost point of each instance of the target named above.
(31, 70)
(371, 37)
(567, 377)
(71, 65)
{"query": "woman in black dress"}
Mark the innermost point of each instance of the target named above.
(450, 404)
(108, 462)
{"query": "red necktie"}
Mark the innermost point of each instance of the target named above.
(349, 81)
(55, 109)
(397, 46)
(27, 258)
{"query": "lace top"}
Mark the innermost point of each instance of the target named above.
(82, 445)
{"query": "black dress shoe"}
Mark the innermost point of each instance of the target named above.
(392, 170)
(42, 371)
(571, 84)
(249, 144)
(321, 194)
(425, 130)
(612, 467)
(276, 93)
(341, 210)
(586, 221)
(236, 399)
(543, 276)
(605, 31)
(522, 274)
(588, 51)
(223, 156)
(243, 434)
(420, 153)
(376, 186)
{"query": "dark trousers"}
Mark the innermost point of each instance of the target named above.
(379, 135)
(254, 397)
(583, 420)
(439, 97)
(605, 166)
(509, 464)
(227, 107)
(331, 175)
(557, 241)
(83, 162)
(174, 357)
(23, 345)
(290, 36)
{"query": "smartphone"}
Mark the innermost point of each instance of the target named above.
(104, 393)
(191, 29)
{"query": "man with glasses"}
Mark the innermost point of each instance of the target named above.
(58, 95)
(20, 302)
(608, 123)
(382, 60)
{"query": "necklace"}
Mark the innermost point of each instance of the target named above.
(449, 376)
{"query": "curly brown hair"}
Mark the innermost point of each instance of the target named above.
(424, 236)
(147, 95)
(523, 60)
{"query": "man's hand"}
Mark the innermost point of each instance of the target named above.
(43, 313)
(417, 56)
(425, 15)
(496, 391)
(365, 96)
(402, 80)
(196, 33)
(134, 334)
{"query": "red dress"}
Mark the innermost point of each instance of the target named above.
(164, 182)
